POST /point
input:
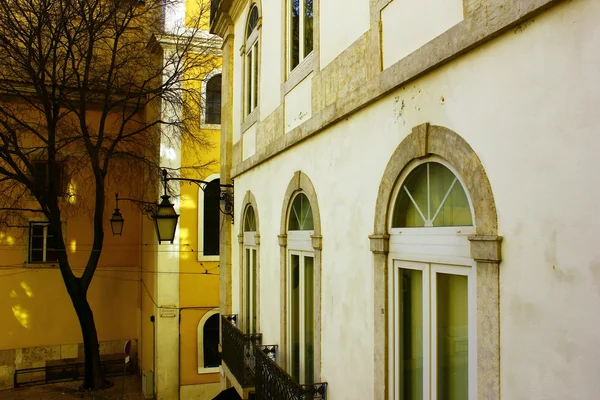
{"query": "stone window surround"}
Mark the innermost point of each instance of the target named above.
(249, 200)
(426, 140)
(200, 340)
(301, 183)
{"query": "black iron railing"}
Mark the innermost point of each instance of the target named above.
(238, 350)
(273, 383)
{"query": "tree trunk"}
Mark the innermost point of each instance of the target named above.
(93, 378)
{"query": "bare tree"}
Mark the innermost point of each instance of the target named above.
(84, 89)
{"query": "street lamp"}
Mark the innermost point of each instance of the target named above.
(164, 215)
(117, 221)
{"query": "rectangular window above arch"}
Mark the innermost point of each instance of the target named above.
(251, 88)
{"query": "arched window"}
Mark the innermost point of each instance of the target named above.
(213, 100)
(211, 218)
(431, 277)
(252, 62)
(208, 342)
(249, 318)
(431, 196)
(299, 31)
(211, 342)
(301, 291)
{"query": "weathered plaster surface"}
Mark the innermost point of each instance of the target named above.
(355, 79)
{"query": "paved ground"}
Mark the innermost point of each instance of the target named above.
(125, 388)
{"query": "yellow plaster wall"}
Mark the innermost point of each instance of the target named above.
(199, 290)
(35, 308)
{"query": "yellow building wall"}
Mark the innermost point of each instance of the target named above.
(199, 280)
(35, 308)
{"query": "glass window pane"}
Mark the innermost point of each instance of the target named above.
(405, 213)
(294, 43)
(452, 337)
(250, 220)
(255, 78)
(253, 290)
(406, 210)
(247, 291)
(410, 331)
(309, 321)
(301, 218)
(295, 316)
(431, 196)
(252, 21)
(308, 27)
(456, 210)
(249, 82)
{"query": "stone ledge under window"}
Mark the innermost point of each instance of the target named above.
(251, 119)
(297, 75)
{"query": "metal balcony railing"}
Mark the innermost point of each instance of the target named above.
(238, 350)
(273, 383)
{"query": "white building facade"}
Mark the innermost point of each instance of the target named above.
(414, 210)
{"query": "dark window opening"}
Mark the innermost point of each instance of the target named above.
(213, 100)
(42, 180)
(211, 342)
(212, 218)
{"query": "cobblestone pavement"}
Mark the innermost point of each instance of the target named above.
(125, 388)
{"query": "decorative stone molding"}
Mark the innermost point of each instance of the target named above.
(380, 244)
(282, 240)
(257, 238)
(317, 242)
(486, 249)
(241, 238)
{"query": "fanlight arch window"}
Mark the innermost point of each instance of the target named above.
(252, 21)
(250, 220)
(431, 196)
(301, 216)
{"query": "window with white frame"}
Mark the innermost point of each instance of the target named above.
(209, 358)
(432, 288)
(300, 292)
(209, 219)
(252, 63)
(299, 31)
(42, 247)
(249, 317)
(212, 113)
